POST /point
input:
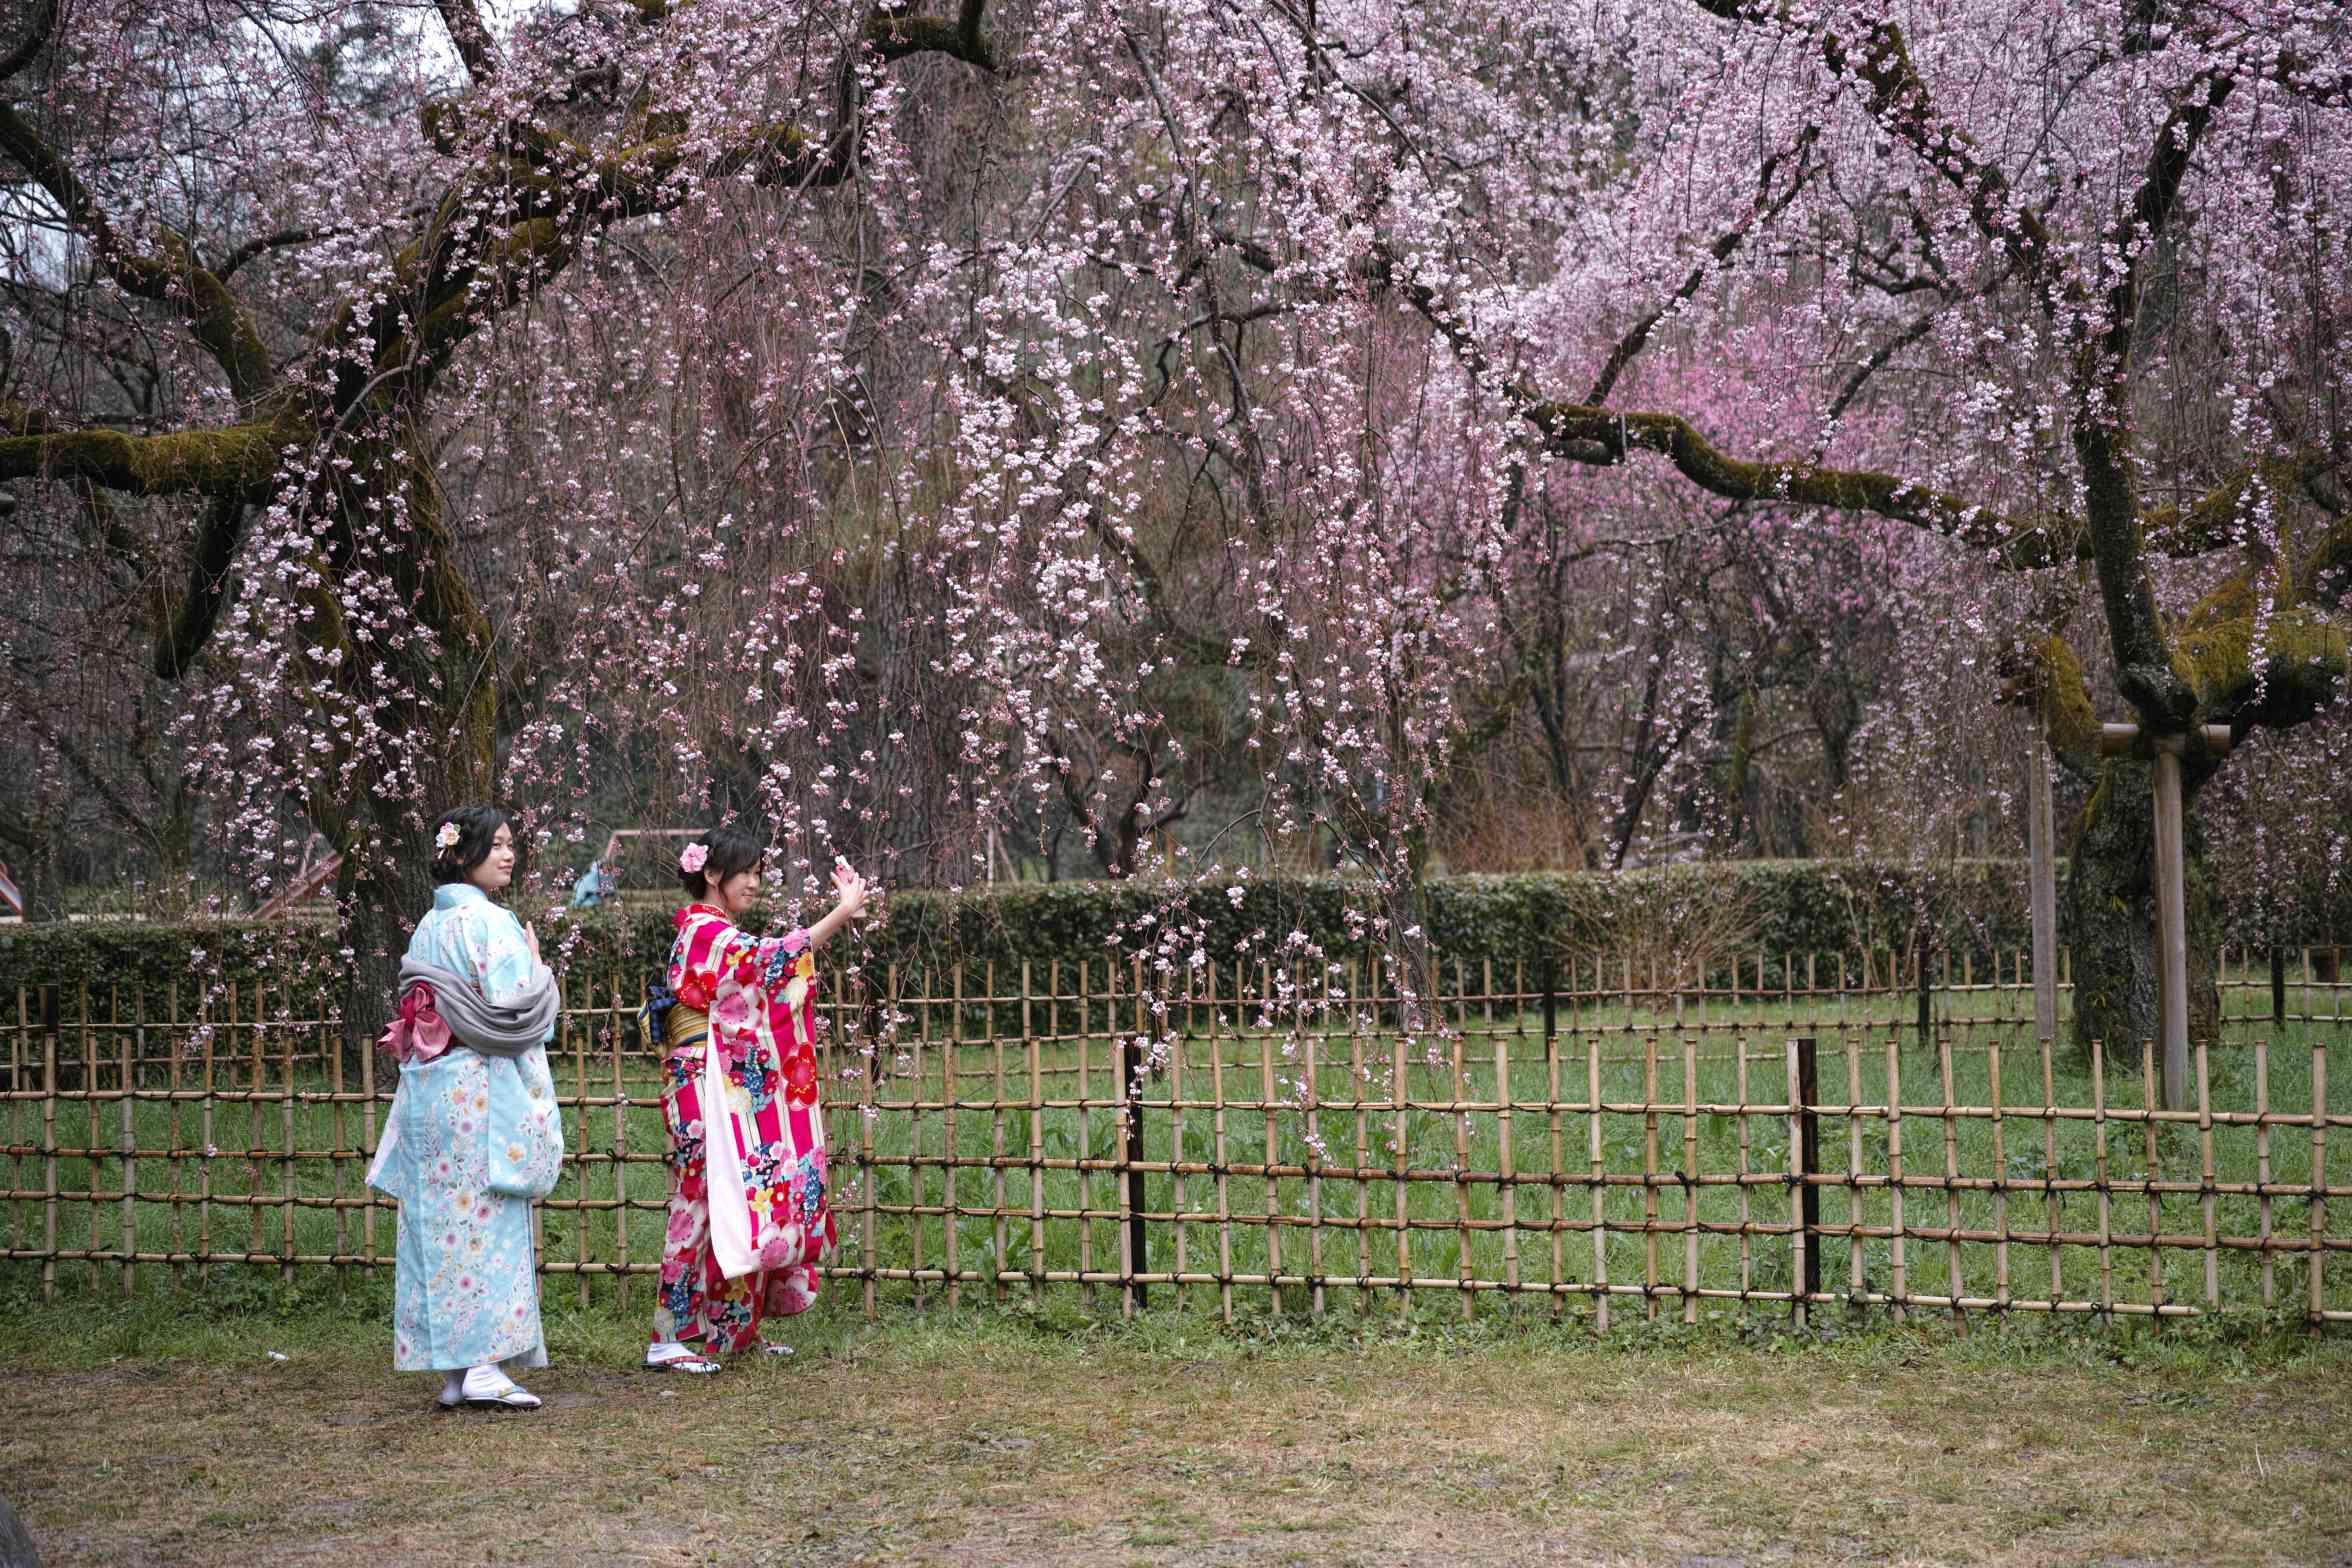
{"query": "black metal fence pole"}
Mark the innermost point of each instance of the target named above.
(1809, 1162)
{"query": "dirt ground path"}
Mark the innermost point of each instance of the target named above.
(981, 1454)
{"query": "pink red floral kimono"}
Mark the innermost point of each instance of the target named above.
(748, 996)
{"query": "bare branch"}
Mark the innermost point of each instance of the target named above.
(41, 20)
(463, 18)
(185, 628)
(218, 322)
(262, 245)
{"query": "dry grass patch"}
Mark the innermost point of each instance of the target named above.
(992, 1442)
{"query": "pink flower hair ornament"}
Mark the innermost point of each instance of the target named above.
(447, 838)
(691, 859)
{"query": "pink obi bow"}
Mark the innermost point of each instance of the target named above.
(416, 1033)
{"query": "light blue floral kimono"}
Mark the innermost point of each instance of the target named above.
(470, 1141)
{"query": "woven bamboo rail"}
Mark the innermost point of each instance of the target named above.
(1552, 1136)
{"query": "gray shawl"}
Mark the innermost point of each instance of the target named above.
(481, 1025)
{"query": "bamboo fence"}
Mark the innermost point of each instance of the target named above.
(1570, 1138)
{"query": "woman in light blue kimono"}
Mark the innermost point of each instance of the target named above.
(474, 1133)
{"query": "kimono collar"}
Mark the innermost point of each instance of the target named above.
(698, 911)
(451, 894)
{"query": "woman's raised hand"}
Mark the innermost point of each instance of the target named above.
(849, 889)
(849, 894)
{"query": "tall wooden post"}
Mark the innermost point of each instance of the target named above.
(2172, 938)
(2172, 925)
(2042, 889)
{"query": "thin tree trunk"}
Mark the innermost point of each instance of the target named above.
(2110, 912)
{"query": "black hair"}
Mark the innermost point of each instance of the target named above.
(731, 850)
(476, 827)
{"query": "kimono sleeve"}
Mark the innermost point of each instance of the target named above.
(776, 955)
(768, 959)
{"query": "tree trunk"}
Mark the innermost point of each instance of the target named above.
(378, 915)
(441, 720)
(2109, 917)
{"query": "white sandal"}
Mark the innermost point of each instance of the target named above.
(487, 1388)
(671, 1356)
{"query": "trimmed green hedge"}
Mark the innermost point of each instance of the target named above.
(1777, 907)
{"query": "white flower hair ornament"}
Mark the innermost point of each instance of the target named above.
(446, 840)
(691, 859)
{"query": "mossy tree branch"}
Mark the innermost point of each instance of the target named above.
(173, 277)
(241, 460)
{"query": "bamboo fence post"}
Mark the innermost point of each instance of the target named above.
(1952, 1217)
(618, 1163)
(204, 1167)
(869, 1175)
(1558, 1176)
(1897, 1251)
(1138, 1068)
(1857, 1277)
(1506, 1163)
(919, 1081)
(1053, 1030)
(1597, 1181)
(337, 1124)
(2000, 1183)
(49, 1152)
(2099, 1169)
(1363, 1146)
(1217, 1133)
(1314, 1163)
(1036, 1144)
(2152, 1173)
(256, 1086)
(286, 1250)
(89, 1035)
(174, 1244)
(1401, 1149)
(1690, 1178)
(2262, 1168)
(2053, 1200)
(1086, 1268)
(1465, 1271)
(1741, 1157)
(1650, 1176)
(2206, 1178)
(951, 1174)
(1919, 974)
(129, 1136)
(1739, 1089)
(999, 1231)
(2319, 1114)
(570, 1040)
(1123, 1122)
(1273, 1154)
(370, 1201)
(1178, 1156)
(17, 1106)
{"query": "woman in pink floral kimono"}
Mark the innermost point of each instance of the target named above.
(750, 1214)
